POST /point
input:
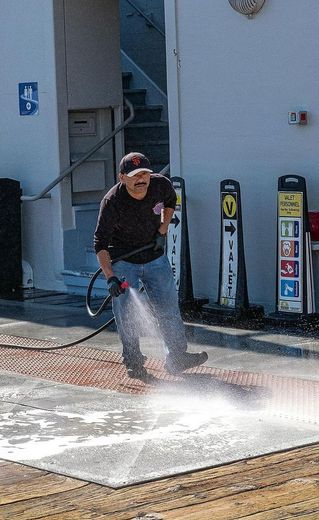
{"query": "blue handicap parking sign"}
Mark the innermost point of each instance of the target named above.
(28, 99)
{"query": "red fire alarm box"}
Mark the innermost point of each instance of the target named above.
(298, 118)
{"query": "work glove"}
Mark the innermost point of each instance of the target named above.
(114, 286)
(159, 242)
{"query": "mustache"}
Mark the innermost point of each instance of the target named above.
(140, 184)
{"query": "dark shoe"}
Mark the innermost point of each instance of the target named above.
(137, 372)
(137, 359)
(175, 365)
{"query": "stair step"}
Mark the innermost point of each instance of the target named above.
(126, 79)
(141, 132)
(143, 113)
(135, 95)
(147, 133)
(156, 151)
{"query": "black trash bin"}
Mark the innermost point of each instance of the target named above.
(10, 237)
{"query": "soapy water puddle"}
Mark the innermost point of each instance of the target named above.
(34, 434)
(38, 433)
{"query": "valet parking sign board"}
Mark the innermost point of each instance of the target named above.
(174, 237)
(290, 251)
(229, 254)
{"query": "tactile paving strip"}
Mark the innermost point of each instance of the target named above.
(90, 366)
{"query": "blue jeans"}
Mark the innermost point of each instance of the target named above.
(157, 279)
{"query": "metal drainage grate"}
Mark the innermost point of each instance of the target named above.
(90, 366)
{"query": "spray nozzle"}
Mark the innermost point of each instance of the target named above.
(124, 284)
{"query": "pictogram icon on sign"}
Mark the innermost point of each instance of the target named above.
(230, 228)
(229, 206)
(289, 288)
(28, 99)
(175, 220)
(289, 248)
(289, 268)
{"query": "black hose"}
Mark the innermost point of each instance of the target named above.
(66, 345)
(91, 313)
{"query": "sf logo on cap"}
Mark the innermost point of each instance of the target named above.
(136, 160)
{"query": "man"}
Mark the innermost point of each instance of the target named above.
(136, 212)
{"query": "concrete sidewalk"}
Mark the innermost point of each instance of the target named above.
(261, 396)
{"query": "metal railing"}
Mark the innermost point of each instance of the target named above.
(86, 156)
(165, 170)
(147, 18)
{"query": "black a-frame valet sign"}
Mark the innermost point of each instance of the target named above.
(233, 298)
(178, 251)
(295, 298)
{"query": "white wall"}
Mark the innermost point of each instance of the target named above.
(29, 144)
(35, 149)
(232, 83)
(92, 34)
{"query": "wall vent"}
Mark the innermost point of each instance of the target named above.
(247, 7)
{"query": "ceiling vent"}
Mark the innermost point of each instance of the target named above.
(247, 7)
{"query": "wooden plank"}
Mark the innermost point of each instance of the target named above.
(306, 509)
(75, 514)
(44, 485)
(78, 514)
(30, 510)
(14, 473)
(239, 505)
(59, 503)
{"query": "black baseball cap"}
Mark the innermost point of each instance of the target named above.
(133, 163)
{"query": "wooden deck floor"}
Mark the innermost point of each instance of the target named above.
(278, 486)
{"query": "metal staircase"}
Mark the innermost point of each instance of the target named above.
(147, 133)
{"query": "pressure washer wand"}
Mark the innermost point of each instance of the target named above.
(124, 285)
(98, 272)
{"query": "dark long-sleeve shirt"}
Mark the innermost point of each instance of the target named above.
(125, 224)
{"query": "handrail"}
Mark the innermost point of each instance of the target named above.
(147, 18)
(165, 170)
(70, 169)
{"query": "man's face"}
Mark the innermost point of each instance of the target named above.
(137, 185)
